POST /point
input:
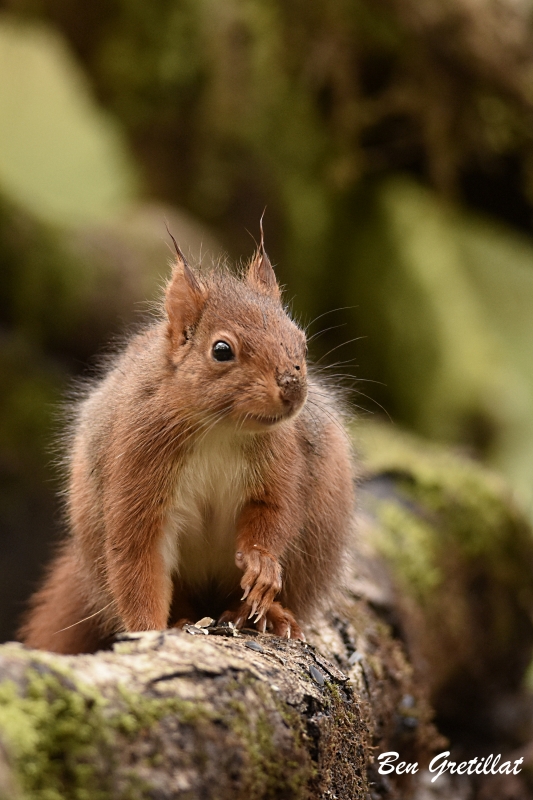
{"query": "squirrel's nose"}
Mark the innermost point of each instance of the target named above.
(291, 388)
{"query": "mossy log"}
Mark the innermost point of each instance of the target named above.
(459, 555)
(438, 593)
(172, 714)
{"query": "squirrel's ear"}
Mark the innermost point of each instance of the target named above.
(184, 300)
(260, 274)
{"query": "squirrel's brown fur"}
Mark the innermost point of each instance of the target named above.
(192, 479)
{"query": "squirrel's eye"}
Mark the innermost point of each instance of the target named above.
(222, 351)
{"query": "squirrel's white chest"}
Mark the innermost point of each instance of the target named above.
(211, 488)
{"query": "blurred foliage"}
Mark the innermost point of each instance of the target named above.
(58, 156)
(445, 298)
(229, 105)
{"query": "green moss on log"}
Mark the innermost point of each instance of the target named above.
(460, 554)
(55, 735)
(443, 500)
(66, 739)
(61, 734)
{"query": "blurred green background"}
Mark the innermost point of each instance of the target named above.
(391, 142)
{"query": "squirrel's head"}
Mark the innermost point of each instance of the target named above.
(235, 352)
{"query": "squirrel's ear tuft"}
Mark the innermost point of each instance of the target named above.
(184, 301)
(261, 276)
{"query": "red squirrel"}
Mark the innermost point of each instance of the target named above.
(209, 474)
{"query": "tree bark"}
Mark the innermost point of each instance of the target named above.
(212, 713)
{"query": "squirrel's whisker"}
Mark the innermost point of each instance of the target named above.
(84, 619)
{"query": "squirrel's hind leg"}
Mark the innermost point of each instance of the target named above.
(182, 610)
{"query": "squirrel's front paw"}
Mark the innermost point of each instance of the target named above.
(261, 580)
